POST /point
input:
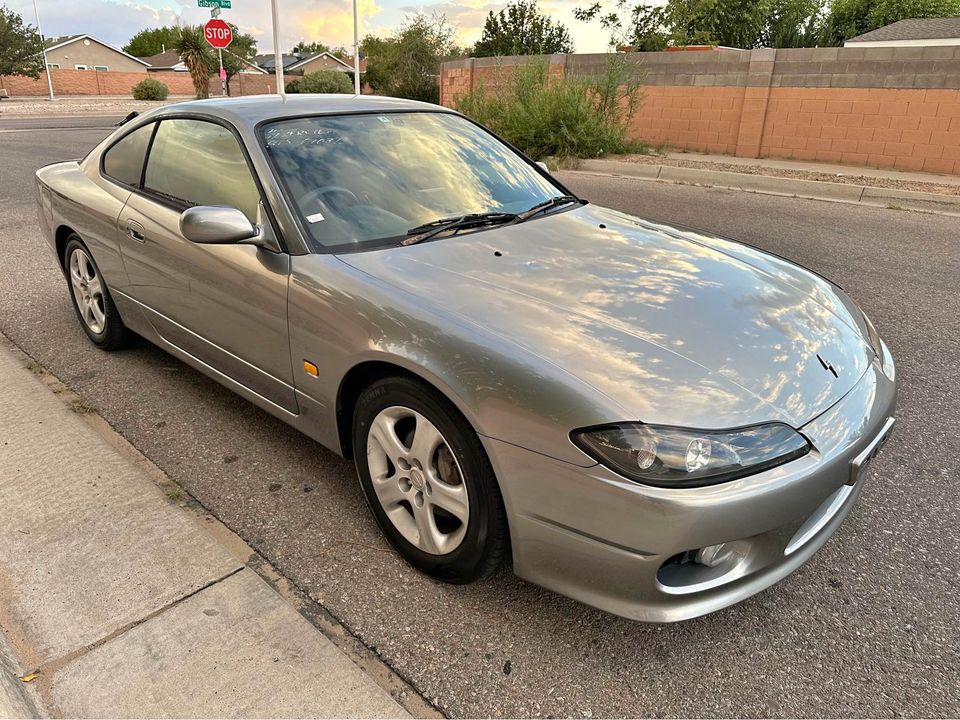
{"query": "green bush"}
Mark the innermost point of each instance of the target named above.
(571, 116)
(293, 87)
(325, 81)
(150, 89)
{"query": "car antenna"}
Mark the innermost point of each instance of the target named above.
(127, 119)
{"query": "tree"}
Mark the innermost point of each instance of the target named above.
(197, 55)
(408, 64)
(733, 23)
(521, 29)
(849, 18)
(21, 49)
(151, 42)
(794, 23)
(311, 48)
(239, 55)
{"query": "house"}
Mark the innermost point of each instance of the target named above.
(325, 61)
(167, 61)
(297, 64)
(85, 52)
(269, 63)
(915, 32)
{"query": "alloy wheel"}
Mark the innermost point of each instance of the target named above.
(87, 291)
(418, 480)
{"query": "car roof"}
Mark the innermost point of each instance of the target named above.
(252, 109)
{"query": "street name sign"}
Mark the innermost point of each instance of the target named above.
(224, 4)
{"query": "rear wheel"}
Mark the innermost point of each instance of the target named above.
(91, 298)
(428, 481)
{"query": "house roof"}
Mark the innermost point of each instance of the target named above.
(165, 60)
(914, 29)
(57, 42)
(268, 62)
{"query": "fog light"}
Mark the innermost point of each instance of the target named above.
(712, 555)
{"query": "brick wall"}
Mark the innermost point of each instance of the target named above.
(89, 82)
(883, 107)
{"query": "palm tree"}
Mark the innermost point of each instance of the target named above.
(197, 55)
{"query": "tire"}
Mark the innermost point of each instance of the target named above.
(403, 501)
(98, 316)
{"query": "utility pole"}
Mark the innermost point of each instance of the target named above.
(277, 52)
(356, 51)
(43, 44)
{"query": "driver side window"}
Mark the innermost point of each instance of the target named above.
(195, 162)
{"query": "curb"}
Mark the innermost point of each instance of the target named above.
(16, 701)
(789, 187)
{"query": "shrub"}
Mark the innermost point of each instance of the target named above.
(571, 116)
(150, 89)
(293, 87)
(325, 81)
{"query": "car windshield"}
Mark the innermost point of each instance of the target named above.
(364, 179)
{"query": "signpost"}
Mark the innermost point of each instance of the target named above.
(219, 35)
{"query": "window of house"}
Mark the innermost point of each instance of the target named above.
(195, 162)
(81, 67)
(53, 66)
(101, 68)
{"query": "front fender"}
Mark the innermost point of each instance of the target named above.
(341, 317)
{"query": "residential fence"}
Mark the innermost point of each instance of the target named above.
(95, 83)
(882, 107)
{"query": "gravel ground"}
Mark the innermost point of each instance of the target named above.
(77, 106)
(870, 627)
(848, 179)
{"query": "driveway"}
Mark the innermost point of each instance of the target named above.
(868, 628)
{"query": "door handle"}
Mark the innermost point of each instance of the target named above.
(135, 231)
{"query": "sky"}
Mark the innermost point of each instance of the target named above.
(329, 21)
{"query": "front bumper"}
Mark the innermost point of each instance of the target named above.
(626, 548)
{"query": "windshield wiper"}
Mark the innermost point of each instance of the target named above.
(431, 229)
(544, 206)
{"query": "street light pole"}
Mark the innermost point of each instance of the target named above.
(277, 52)
(43, 44)
(356, 51)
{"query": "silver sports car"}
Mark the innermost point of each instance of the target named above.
(649, 419)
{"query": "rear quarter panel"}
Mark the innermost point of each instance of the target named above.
(75, 199)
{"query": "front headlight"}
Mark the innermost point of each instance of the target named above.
(676, 457)
(874, 338)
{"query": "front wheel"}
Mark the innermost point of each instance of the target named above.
(91, 298)
(428, 481)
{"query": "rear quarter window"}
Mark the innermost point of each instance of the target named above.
(123, 162)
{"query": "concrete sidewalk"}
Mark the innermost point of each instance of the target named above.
(115, 601)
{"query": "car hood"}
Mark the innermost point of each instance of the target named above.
(674, 326)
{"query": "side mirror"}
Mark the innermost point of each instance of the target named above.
(543, 166)
(208, 224)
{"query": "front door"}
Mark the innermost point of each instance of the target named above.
(225, 305)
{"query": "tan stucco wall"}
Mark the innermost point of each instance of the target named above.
(76, 53)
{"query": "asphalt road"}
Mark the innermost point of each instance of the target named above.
(868, 628)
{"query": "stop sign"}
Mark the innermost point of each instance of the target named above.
(218, 33)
